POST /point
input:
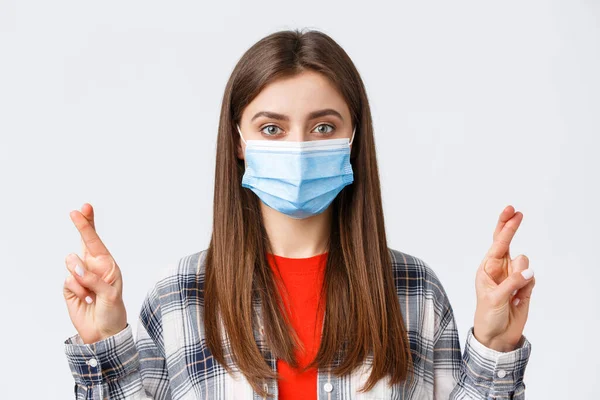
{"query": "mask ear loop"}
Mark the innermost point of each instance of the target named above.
(351, 140)
(238, 128)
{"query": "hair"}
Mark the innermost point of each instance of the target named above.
(362, 311)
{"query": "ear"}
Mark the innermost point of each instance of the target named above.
(239, 146)
(239, 150)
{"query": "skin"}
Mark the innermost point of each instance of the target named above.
(101, 281)
(498, 322)
(296, 238)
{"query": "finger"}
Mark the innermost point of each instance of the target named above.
(74, 288)
(88, 212)
(87, 278)
(90, 238)
(495, 269)
(524, 294)
(516, 280)
(505, 215)
(501, 243)
(518, 265)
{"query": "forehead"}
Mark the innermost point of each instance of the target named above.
(298, 95)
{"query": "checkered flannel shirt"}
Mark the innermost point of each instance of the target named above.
(169, 358)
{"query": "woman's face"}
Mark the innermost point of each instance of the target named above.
(299, 108)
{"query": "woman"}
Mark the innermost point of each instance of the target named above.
(297, 295)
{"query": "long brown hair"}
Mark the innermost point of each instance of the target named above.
(362, 311)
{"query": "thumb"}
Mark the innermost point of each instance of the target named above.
(521, 276)
(88, 279)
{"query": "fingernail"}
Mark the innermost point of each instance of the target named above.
(516, 301)
(88, 300)
(527, 274)
(78, 270)
(515, 292)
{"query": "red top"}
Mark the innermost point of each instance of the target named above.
(303, 278)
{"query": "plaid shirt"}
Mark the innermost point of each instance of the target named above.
(170, 360)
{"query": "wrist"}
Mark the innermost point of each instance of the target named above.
(106, 334)
(495, 344)
(499, 346)
(100, 336)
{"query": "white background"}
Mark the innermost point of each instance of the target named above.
(476, 105)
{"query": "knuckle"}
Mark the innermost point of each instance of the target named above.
(112, 295)
(522, 258)
(503, 241)
(92, 240)
(69, 257)
(88, 278)
(517, 279)
(89, 275)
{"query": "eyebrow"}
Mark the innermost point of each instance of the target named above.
(312, 115)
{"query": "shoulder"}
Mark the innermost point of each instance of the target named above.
(421, 293)
(170, 297)
(411, 272)
(175, 283)
(184, 271)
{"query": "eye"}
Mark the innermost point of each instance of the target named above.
(324, 131)
(271, 130)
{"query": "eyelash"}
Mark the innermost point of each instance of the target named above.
(322, 134)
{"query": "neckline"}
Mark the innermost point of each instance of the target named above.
(302, 265)
(292, 259)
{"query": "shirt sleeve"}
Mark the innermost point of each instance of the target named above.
(481, 372)
(119, 367)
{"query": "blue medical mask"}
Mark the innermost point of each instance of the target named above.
(299, 179)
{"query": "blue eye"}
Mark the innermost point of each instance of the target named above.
(270, 132)
(321, 131)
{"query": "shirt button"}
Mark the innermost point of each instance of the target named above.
(266, 388)
(501, 373)
(93, 362)
(328, 387)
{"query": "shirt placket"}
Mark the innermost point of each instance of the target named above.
(328, 385)
(269, 385)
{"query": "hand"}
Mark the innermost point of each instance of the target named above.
(93, 290)
(500, 315)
